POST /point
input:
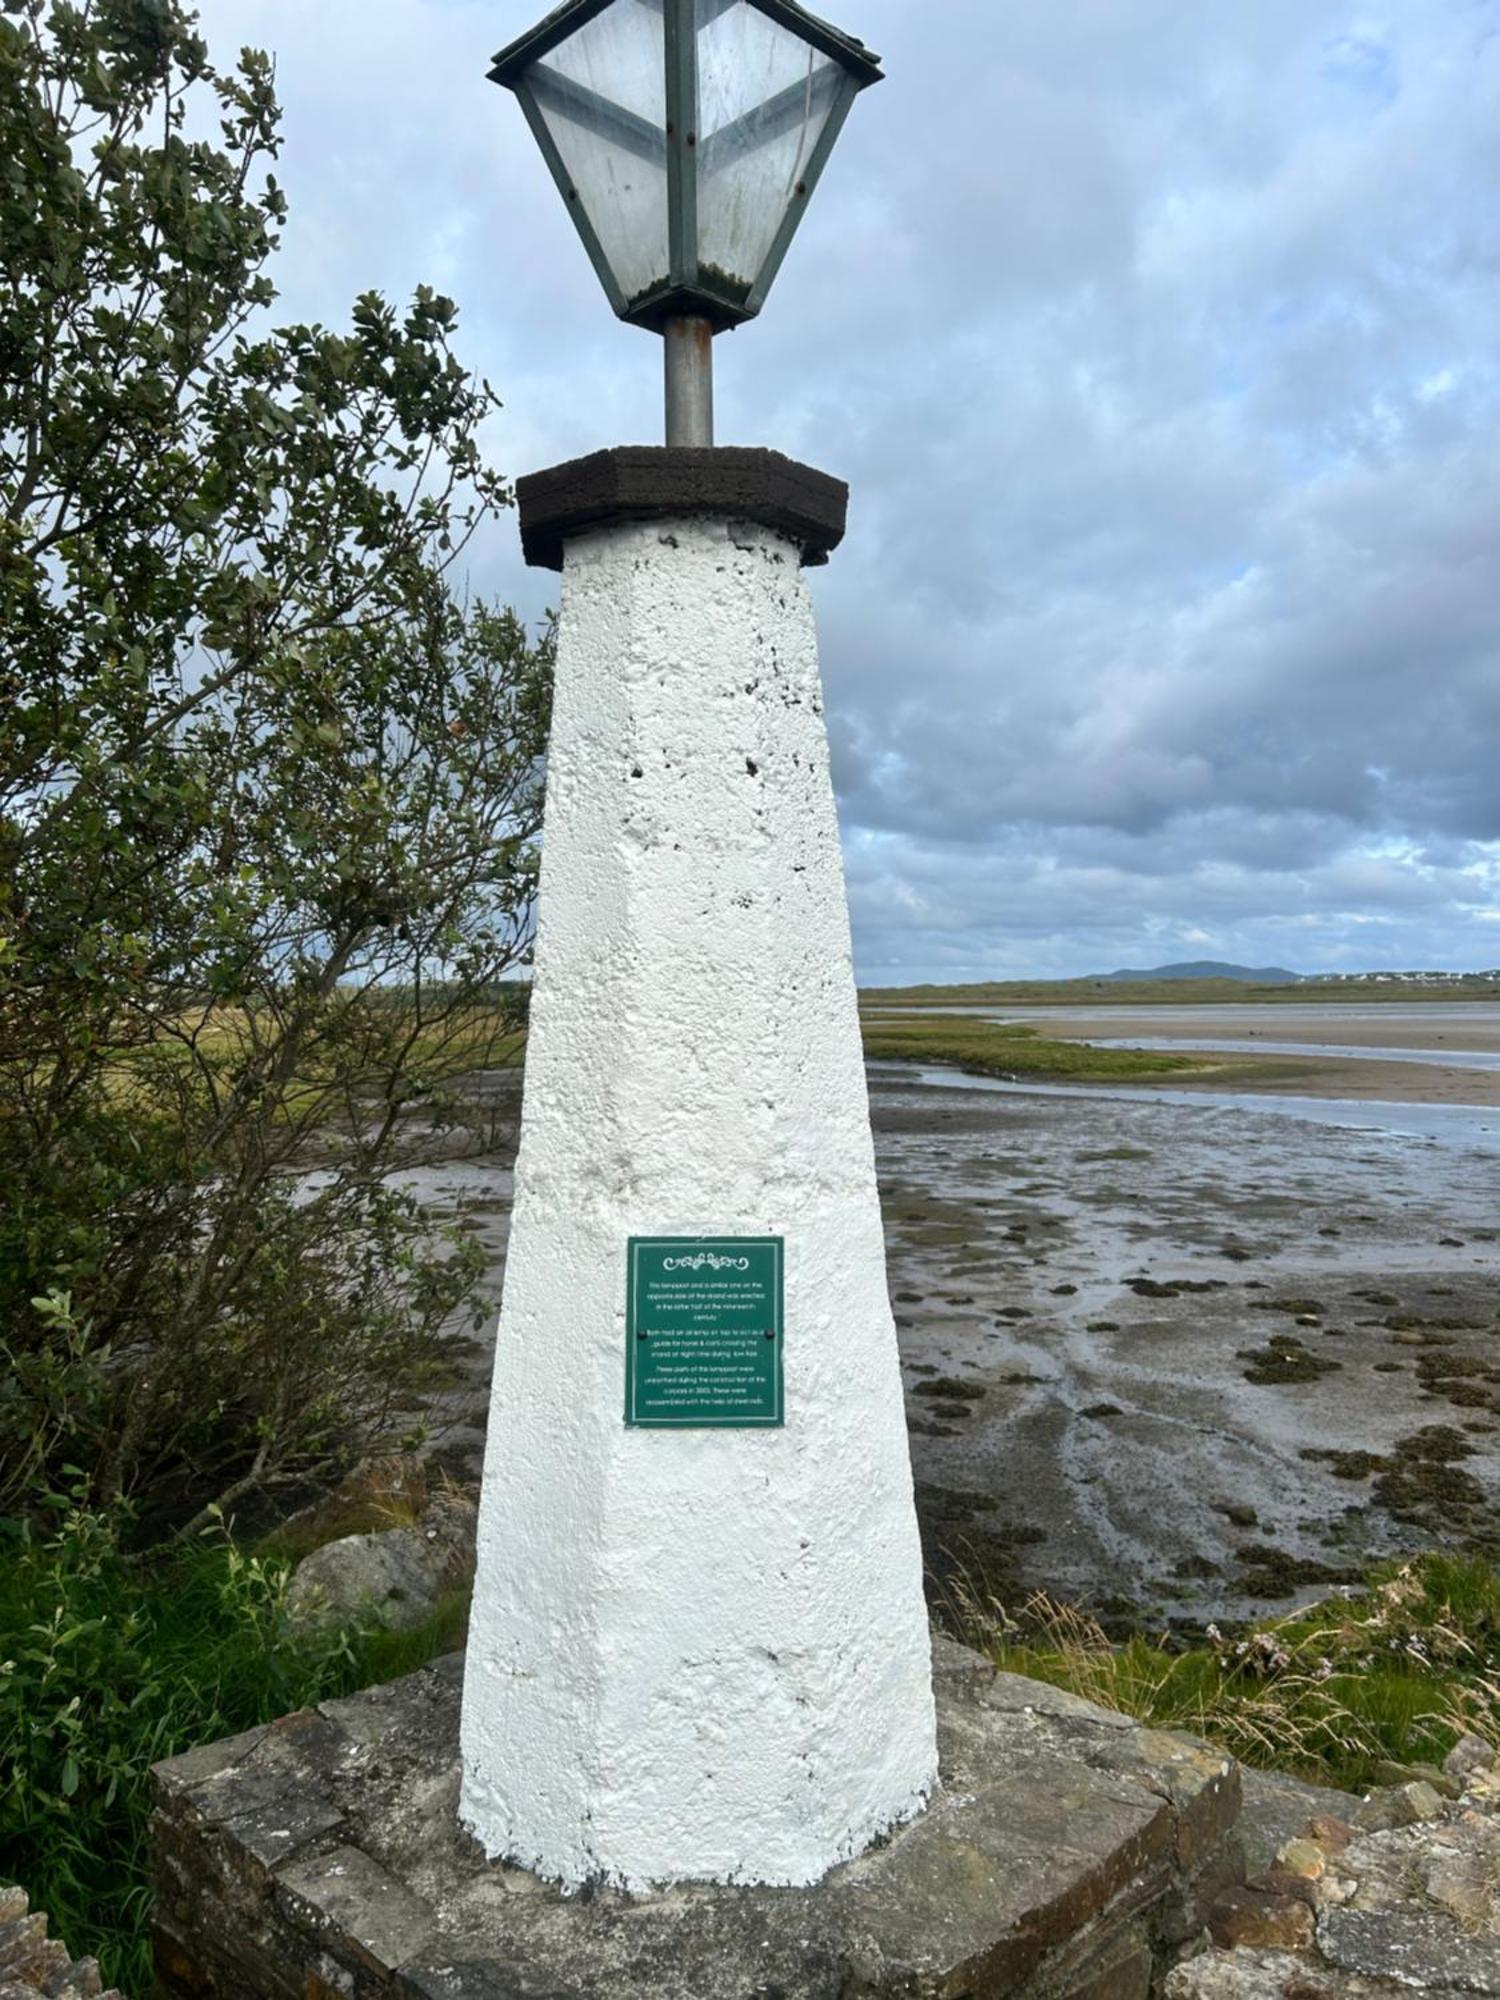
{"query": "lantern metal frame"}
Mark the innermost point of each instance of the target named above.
(690, 291)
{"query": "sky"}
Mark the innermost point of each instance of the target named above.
(1159, 341)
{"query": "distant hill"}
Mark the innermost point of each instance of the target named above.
(1265, 975)
(1209, 985)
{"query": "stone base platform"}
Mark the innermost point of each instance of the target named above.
(1068, 1856)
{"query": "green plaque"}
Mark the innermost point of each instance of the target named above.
(703, 1325)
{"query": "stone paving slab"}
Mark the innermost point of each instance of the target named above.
(1410, 1948)
(1066, 1857)
(1276, 1975)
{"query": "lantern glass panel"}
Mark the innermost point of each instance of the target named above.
(602, 94)
(764, 97)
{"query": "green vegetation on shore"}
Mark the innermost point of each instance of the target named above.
(1388, 1675)
(999, 1048)
(1174, 993)
(110, 1663)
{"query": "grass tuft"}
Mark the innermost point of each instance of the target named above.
(1391, 1673)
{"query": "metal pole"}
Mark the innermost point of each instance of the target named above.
(689, 346)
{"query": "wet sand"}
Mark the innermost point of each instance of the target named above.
(1331, 1076)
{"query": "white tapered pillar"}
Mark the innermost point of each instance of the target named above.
(695, 1653)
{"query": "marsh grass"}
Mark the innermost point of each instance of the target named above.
(1391, 1673)
(206, 1049)
(1000, 1048)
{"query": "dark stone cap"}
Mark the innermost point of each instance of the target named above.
(647, 482)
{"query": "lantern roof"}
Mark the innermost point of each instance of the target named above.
(563, 21)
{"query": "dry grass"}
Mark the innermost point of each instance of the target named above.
(1391, 1673)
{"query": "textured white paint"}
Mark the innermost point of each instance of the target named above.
(693, 1655)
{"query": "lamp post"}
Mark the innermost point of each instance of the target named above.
(699, 1646)
(686, 137)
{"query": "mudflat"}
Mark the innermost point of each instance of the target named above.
(1170, 1357)
(1175, 1360)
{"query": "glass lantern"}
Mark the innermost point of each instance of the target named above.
(686, 137)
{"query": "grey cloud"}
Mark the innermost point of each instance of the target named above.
(1158, 343)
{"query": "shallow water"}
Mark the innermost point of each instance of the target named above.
(1470, 1126)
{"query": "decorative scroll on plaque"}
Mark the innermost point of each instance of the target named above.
(704, 1333)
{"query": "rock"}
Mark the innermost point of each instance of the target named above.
(1223, 1975)
(1016, 1695)
(1254, 1975)
(1332, 1834)
(1469, 1758)
(1405, 1901)
(1419, 1774)
(1062, 1854)
(390, 1578)
(1465, 1883)
(1448, 1869)
(1412, 1948)
(1261, 1921)
(29, 1957)
(1279, 1808)
(953, 1664)
(1305, 1858)
(1398, 1805)
(1336, 1890)
(33, 1965)
(397, 1578)
(1282, 1882)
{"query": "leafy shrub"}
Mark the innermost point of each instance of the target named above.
(269, 791)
